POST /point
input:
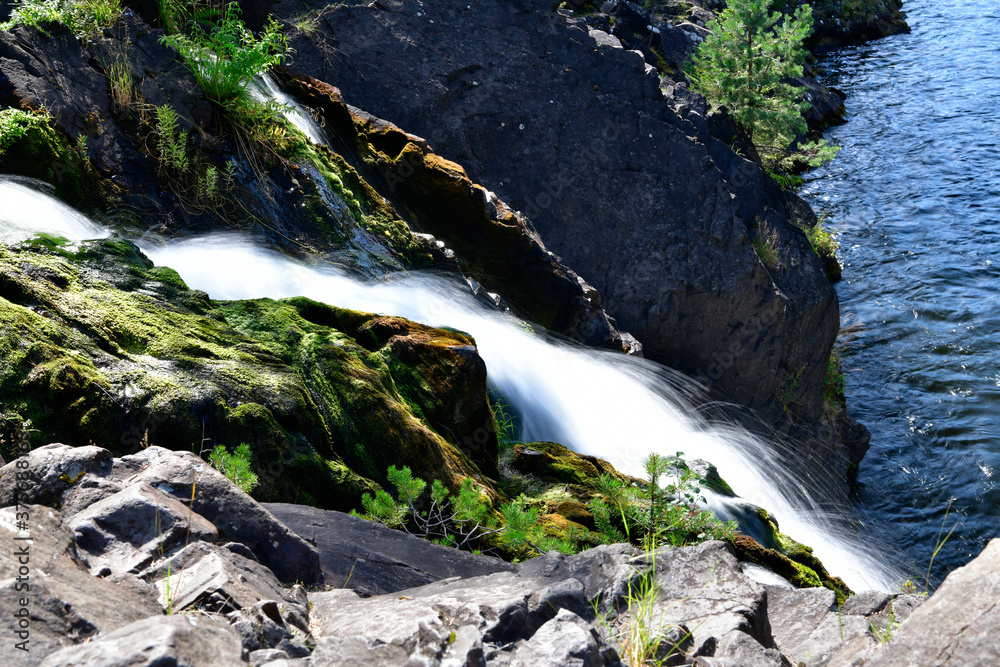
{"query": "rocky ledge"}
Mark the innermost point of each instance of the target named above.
(155, 558)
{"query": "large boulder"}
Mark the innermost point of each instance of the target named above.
(326, 398)
(181, 641)
(66, 605)
(369, 558)
(127, 531)
(958, 625)
(703, 588)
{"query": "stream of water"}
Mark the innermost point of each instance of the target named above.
(599, 403)
(914, 197)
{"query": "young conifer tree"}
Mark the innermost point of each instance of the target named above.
(742, 65)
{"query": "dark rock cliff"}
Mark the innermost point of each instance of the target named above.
(626, 182)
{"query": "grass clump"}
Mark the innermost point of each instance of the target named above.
(765, 244)
(503, 422)
(235, 466)
(227, 57)
(823, 242)
(834, 387)
(81, 17)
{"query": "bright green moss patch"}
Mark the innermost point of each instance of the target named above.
(97, 345)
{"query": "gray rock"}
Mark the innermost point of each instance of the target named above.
(465, 649)
(52, 470)
(356, 652)
(238, 517)
(958, 625)
(180, 641)
(703, 587)
(207, 576)
(866, 603)
(132, 529)
(266, 655)
(372, 559)
(607, 572)
(738, 649)
(82, 477)
(806, 625)
(567, 641)
(66, 604)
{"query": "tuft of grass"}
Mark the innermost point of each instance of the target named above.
(503, 421)
(883, 634)
(227, 57)
(83, 17)
(823, 242)
(641, 635)
(834, 387)
(765, 243)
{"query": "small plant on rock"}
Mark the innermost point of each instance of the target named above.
(503, 421)
(464, 520)
(765, 243)
(655, 512)
(82, 17)
(235, 466)
(227, 57)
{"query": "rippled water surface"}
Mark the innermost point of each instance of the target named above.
(914, 197)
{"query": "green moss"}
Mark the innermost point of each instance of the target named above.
(320, 410)
(367, 207)
(31, 146)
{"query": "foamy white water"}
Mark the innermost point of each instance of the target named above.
(265, 89)
(598, 403)
(24, 212)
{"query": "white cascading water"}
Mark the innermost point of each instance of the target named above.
(599, 403)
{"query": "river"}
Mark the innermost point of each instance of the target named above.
(914, 199)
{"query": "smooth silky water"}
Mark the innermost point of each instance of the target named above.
(599, 403)
(914, 198)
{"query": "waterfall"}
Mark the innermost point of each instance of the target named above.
(24, 212)
(595, 402)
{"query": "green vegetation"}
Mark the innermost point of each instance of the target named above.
(197, 183)
(834, 387)
(15, 124)
(655, 513)
(823, 243)
(742, 66)
(82, 17)
(503, 422)
(226, 58)
(235, 466)
(31, 146)
(766, 244)
(641, 635)
(464, 520)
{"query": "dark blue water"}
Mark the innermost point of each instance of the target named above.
(914, 197)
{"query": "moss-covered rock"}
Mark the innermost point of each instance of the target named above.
(98, 346)
(791, 559)
(31, 146)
